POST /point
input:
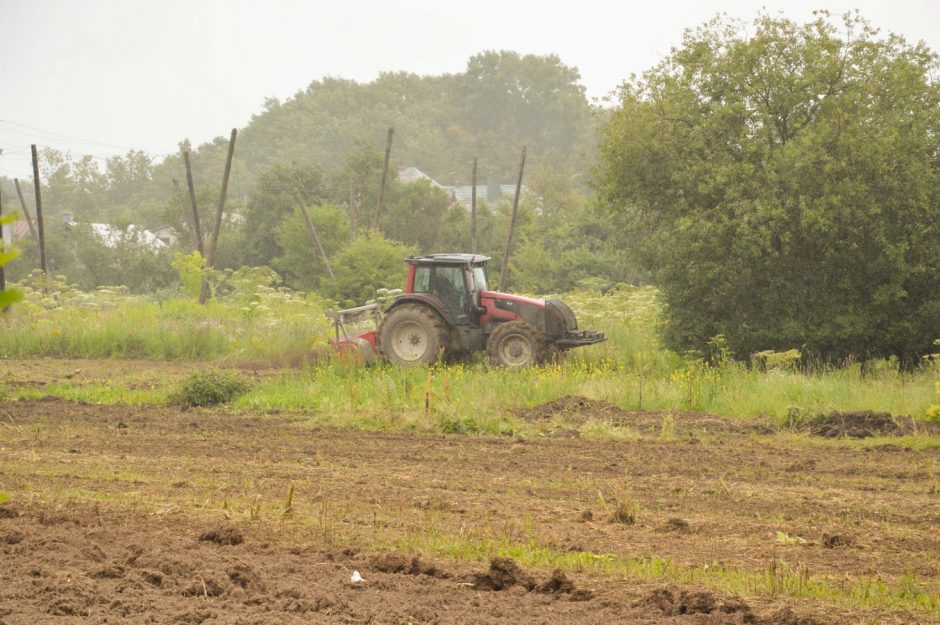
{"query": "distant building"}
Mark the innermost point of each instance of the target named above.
(461, 194)
(167, 234)
(16, 231)
(489, 193)
(413, 174)
(112, 236)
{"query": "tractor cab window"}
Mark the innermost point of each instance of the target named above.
(479, 279)
(448, 286)
(422, 279)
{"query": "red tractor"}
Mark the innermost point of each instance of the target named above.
(448, 310)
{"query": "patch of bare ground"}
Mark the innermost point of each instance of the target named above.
(133, 568)
(165, 477)
(574, 410)
(862, 424)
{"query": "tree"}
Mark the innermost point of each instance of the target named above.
(415, 214)
(279, 191)
(369, 263)
(785, 187)
(300, 263)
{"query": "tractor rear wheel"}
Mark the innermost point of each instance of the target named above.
(516, 345)
(412, 334)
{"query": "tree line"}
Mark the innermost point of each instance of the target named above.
(779, 182)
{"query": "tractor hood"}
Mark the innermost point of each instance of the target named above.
(496, 295)
(552, 317)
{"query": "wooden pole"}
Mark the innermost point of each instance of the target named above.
(352, 207)
(197, 227)
(42, 238)
(380, 204)
(179, 196)
(210, 259)
(316, 238)
(3, 275)
(473, 209)
(504, 270)
(29, 222)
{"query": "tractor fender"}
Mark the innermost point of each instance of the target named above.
(426, 300)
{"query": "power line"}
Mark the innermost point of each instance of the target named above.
(67, 137)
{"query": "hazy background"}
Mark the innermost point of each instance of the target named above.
(103, 76)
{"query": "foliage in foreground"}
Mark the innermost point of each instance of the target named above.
(782, 182)
(209, 389)
(250, 319)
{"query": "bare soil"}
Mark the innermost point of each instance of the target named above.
(863, 424)
(160, 515)
(80, 566)
(573, 410)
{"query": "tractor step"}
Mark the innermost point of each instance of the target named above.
(579, 338)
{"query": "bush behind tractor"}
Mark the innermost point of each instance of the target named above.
(447, 311)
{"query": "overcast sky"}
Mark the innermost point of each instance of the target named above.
(103, 76)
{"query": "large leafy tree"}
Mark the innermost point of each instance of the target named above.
(280, 190)
(784, 184)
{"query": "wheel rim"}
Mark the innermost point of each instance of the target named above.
(515, 350)
(409, 340)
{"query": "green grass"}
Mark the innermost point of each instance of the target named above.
(176, 329)
(631, 370)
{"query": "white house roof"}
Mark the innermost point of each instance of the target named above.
(413, 174)
(111, 236)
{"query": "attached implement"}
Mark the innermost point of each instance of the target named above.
(447, 310)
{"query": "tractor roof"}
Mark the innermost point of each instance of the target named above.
(448, 259)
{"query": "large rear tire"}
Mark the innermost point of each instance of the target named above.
(516, 345)
(412, 334)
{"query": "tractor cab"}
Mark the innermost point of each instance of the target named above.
(455, 281)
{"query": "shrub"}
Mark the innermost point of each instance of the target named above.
(209, 389)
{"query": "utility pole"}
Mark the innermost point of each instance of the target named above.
(19, 193)
(218, 213)
(504, 270)
(3, 275)
(179, 196)
(473, 208)
(42, 238)
(380, 204)
(316, 238)
(197, 228)
(352, 207)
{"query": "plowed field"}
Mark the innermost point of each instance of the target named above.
(162, 515)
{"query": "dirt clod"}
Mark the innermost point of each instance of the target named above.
(575, 410)
(786, 616)
(861, 424)
(503, 573)
(245, 577)
(559, 584)
(204, 588)
(223, 536)
(674, 524)
(831, 541)
(392, 563)
(13, 538)
(8, 512)
(674, 602)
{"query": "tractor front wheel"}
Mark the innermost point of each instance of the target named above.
(516, 345)
(412, 334)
